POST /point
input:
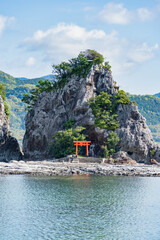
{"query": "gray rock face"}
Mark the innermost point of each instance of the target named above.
(53, 109)
(136, 138)
(9, 147)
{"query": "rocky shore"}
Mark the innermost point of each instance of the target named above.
(50, 168)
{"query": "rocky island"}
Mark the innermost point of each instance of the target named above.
(70, 103)
(84, 103)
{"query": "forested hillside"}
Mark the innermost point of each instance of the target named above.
(15, 89)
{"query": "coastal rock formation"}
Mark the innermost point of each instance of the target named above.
(53, 109)
(9, 147)
(136, 138)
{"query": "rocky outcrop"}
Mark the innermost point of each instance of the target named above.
(136, 138)
(53, 109)
(9, 147)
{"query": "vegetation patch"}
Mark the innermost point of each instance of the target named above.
(3, 95)
(152, 152)
(121, 98)
(62, 144)
(69, 124)
(107, 66)
(104, 108)
(110, 146)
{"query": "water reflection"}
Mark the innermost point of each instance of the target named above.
(79, 207)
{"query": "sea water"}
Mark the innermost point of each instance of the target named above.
(79, 207)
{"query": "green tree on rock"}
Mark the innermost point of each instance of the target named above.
(62, 144)
(102, 109)
(122, 97)
(110, 146)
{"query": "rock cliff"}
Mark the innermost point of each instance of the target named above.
(9, 147)
(53, 109)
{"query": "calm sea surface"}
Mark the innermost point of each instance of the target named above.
(70, 208)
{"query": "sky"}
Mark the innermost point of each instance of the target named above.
(35, 34)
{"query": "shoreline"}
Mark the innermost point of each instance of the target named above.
(51, 168)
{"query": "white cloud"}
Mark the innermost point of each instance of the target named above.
(142, 53)
(144, 14)
(4, 22)
(65, 41)
(30, 61)
(117, 14)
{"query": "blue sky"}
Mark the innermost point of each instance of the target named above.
(35, 34)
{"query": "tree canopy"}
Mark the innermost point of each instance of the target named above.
(104, 108)
(62, 144)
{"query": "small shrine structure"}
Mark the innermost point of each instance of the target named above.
(82, 143)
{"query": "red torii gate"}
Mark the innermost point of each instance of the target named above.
(82, 143)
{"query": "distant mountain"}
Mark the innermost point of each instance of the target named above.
(15, 89)
(6, 78)
(157, 95)
(22, 78)
(47, 77)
